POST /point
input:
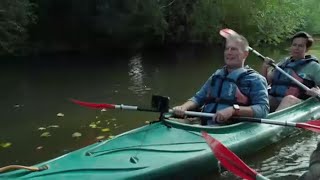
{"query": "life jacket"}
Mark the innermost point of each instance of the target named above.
(282, 86)
(224, 90)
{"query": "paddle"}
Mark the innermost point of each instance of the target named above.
(136, 108)
(313, 125)
(231, 161)
(227, 32)
(310, 125)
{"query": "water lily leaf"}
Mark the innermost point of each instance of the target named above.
(39, 148)
(53, 126)
(5, 145)
(100, 137)
(93, 125)
(117, 127)
(105, 130)
(17, 106)
(41, 128)
(45, 134)
(60, 115)
(76, 134)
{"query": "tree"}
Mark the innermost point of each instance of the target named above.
(15, 16)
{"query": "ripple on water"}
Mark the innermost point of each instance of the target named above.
(289, 160)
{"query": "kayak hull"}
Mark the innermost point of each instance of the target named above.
(168, 149)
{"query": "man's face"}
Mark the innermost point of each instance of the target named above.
(298, 48)
(234, 55)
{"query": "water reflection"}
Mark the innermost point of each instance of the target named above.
(137, 75)
(291, 160)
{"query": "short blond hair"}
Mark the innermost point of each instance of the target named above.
(241, 39)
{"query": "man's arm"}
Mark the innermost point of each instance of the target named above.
(266, 71)
(259, 97)
(312, 70)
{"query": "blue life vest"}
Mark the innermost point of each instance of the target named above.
(282, 86)
(225, 91)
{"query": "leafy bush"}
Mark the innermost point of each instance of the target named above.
(15, 16)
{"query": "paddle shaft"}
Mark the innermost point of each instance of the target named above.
(312, 126)
(304, 87)
(239, 119)
(189, 113)
(265, 121)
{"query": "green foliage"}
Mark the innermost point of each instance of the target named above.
(130, 20)
(268, 21)
(277, 20)
(312, 8)
(177, 15)
(15, 16)
(72, 24)
(206, 20)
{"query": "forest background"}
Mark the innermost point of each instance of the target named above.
(92, 26)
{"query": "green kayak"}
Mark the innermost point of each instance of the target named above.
(167, 149)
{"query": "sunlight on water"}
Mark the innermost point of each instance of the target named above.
(136, 74)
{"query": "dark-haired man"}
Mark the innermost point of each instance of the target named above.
(304, 68)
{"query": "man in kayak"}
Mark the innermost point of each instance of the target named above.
(233, 90)
(304, 68)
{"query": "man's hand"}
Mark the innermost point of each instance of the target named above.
(315, 91)
(267, 62)
(223, 115)
(179, 111)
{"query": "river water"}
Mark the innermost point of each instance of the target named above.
(39, 122)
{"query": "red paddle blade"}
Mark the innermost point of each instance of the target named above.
(93, 105)
(228, 159)
(227, 32)
(313, 125)
(314, 122)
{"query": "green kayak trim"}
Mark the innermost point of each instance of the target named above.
(168, 150)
